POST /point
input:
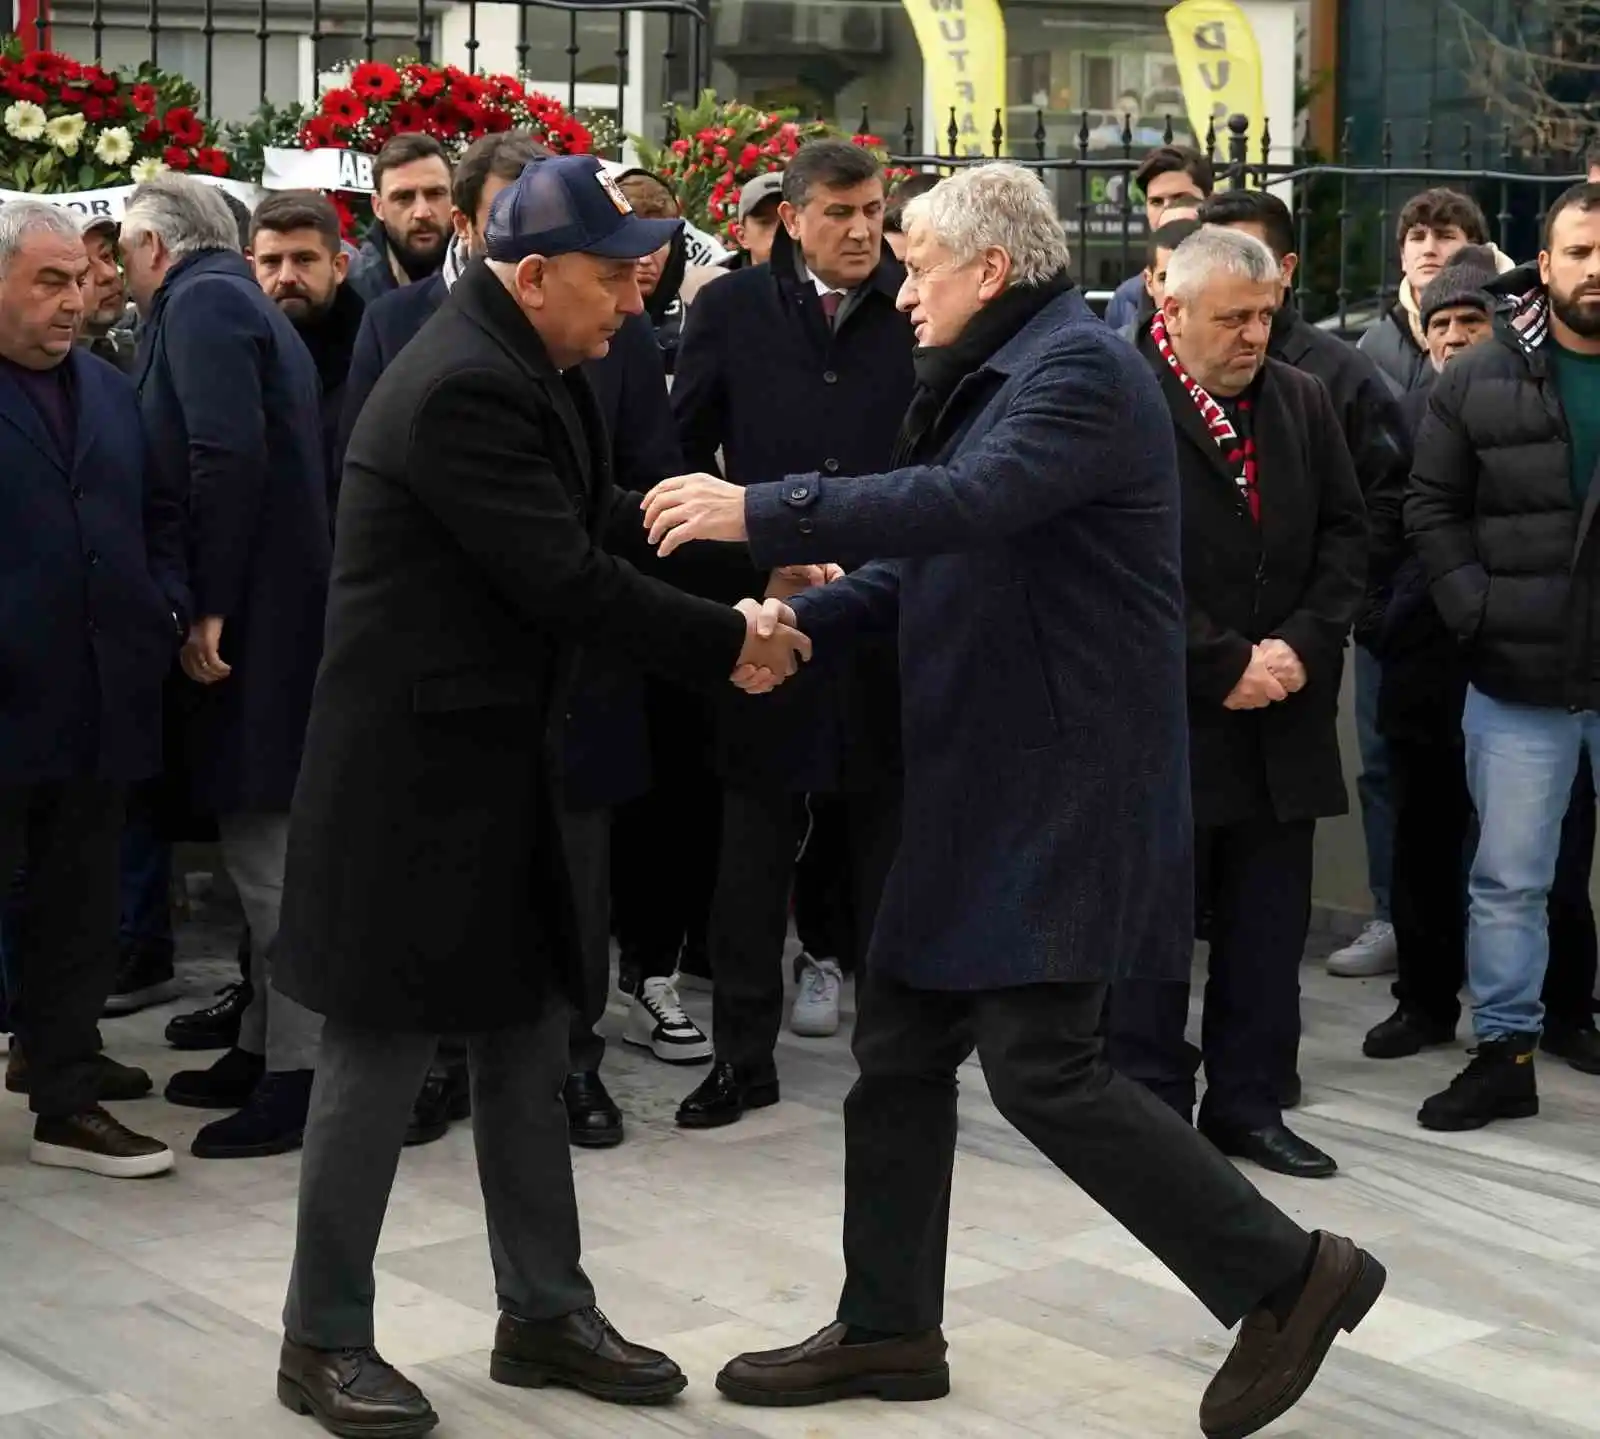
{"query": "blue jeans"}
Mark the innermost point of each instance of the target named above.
(1521, 763)
(1377, 805)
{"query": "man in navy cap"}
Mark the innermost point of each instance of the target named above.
(427, 892)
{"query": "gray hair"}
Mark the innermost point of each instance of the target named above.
(188, 216)
(1216, 250)
(21, 218)
(997, 205)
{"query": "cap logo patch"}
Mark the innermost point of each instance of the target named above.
(614, 192)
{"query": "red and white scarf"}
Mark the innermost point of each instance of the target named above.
(1239, 453)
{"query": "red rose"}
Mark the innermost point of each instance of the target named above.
(406, 116)
(373, 81)
(151, 134)
(343, 107)
(182, 125)
(748, 156)
(680, 147)
(213, 162)
(176, 156)
(144, 99)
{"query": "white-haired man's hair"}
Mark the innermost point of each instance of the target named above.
(188, 216)
(1216, 252)
(21, 218)
(996, 205)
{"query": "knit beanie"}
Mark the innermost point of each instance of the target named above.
(1464, 281)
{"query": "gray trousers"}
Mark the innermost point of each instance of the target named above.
(254, 847)
(367, 1081)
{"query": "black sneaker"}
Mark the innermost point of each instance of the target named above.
(113, 1082)
(1497, 1084)
(1403, 1034)
(97, 1144)
(217, 1025)
(1580, 1047)
(228, 1084)
(144, 978)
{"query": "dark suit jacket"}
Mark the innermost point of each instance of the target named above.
(478, 546)
(1035, 580)
(93, 590)
(1298, 575)
(232, 407)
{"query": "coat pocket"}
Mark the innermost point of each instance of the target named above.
(1020, 696)
(480, 689)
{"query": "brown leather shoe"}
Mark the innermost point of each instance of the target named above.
(352, 1393)
(1270, 1368)
(581, 1351)
(825, 1368)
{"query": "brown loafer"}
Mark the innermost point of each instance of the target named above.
(1271, 1367)
(581, 1351)
(824, 1368)
(352, 1392)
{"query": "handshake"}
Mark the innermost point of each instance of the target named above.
(773, 643)
(1274, 673)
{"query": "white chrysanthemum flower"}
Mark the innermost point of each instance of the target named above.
(114, 147)
(65, 132)
(148, 170)
(24, 120)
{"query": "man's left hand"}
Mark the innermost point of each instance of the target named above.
(1283, 662)
(693, 507)
(201, 657)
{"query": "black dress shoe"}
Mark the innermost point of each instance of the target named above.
(272, 1122)
(352, 1392)
(1580, 1047)
(214, 1027)
(430, 1115)
(581, 1351)
(593, 1119)
(723, 1097)
(1405, 1033)
(228, 1084)
(1275, 1147)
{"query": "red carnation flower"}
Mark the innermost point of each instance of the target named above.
(151, 134)
(99, 81)
(144, 99)
(373, 81)
(25, 90)
(182, 125)
(344, 107)
(748, 156)
(213, 162)
(176, 156)
(407, 115)
(94, 108)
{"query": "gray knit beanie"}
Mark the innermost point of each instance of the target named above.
(1464, 281)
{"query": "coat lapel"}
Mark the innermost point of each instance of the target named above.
(17, 410)
(1190, 425)
(86, 421)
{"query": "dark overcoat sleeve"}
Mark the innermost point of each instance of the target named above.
(215, 344)
(1336, 585)
(479, 461)
(1439, 506)
(699, 386)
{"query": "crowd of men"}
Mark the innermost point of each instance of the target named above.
(168, 534)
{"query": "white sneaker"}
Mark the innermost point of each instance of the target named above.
(656, 1022)
(1370, 953)
(816, 1006)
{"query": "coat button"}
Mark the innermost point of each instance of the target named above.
(805, 527)
(831, 466)
(829, 377)
(93, 557)
(77, 492)
(94, 629)
(799, 492)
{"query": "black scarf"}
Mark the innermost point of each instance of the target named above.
(940, 368)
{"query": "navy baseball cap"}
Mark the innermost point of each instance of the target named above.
(569, 204)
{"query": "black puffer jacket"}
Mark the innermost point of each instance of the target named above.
(1510, 560)
(1392, 347)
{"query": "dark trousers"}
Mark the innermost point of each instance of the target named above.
(824, 885)
(663, 869)
(1258, 882)
(586, 838)
(367, 1081)
(1047, 1076)
(762, 832)
(1435, 830)
(61, 935)
(146, 868)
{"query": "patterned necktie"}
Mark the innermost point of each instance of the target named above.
(830, 305)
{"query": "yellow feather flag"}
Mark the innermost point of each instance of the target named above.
(1219, 64)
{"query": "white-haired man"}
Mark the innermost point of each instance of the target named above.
(232, 406)
(1274, 562)
(1033, 531)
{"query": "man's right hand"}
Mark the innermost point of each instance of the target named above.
(773, 646)
(1258, 687)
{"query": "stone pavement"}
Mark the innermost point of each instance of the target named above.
(151, 1308)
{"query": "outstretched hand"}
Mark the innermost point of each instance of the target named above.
(773, 649)
(693, 507)
(790, 580)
